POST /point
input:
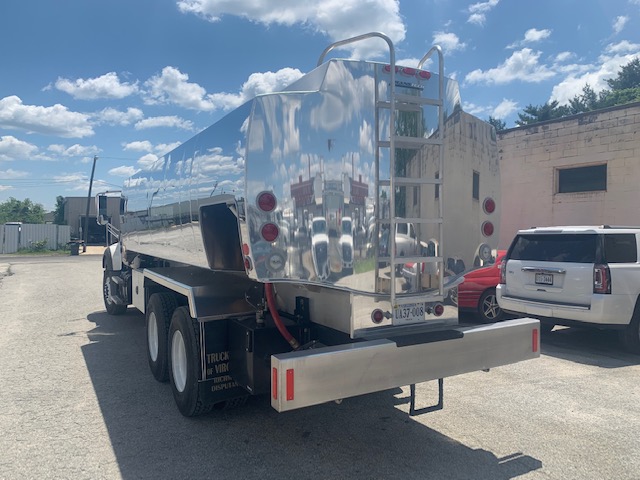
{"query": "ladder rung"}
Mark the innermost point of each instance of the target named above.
(412, 99)
(415, 220)
(409, 142)
(403, 260)
(404, 107)
(422, 297)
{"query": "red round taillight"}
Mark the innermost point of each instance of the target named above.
(408, 71)
(424, 75)
(245, 249)
(487, 229)
(377, 316)
(247, 264)
(489, 205)
(266, 201)
(387, 69)
(438, 309)
(269, 232)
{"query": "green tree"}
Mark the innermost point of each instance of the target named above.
(535, 114)
(497, 123)
(58, 213)
(584, 102)
(24, 211)
(628, 76)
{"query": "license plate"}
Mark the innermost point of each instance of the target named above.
(411, 312)
(544, 279)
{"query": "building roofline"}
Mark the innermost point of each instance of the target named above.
(571, 117)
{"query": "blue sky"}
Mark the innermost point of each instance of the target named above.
(127, 80)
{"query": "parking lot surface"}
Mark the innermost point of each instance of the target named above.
(78, 401)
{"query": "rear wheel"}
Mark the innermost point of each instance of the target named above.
(159, 311)
(184, 361)
(630, 336)
(488, 308)
(113, 302)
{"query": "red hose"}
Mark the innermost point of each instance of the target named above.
(271, 303)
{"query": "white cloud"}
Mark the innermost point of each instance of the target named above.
(478, 11)
(448, 41)
(147, 161)
(609, 64)
(619, 24)
(564, 56)
(10, 174)
(521, 66)
(505, 108)
(74, 150)
(112, 116)
(256, 84)
(338, 19)
(123, 171)
(139, 146)
(107, 86)
(56, 120)
(170, 121)
(474, 109)
(147, 146)
(13, 149)
(531, 36)
(172, 87)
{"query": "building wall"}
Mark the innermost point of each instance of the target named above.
(531, 156)
(75, 209)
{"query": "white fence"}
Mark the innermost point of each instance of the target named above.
(14, 237)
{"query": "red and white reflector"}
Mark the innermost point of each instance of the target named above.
(487, 229)
(289, 384)
(266, 201)
(489, 205)
(534, 340)
(274, 383)
(377, 316)
(269, 232)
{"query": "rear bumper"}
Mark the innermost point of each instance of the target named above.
(604, 309)
(305, 378)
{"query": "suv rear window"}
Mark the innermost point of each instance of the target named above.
(620, 248)
(560, 247)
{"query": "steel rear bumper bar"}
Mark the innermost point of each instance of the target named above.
(310, 377)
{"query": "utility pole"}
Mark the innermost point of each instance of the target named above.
(86, 217)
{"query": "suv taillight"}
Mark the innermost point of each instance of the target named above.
(503, 272)
(601, 279)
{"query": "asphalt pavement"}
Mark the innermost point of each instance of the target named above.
(77, 401)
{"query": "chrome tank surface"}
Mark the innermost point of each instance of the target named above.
(313, 147)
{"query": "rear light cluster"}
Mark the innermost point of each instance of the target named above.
(488, 206)
(503, 272)
(601, 279)
(266, 202)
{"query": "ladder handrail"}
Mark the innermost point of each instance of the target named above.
(365, 36)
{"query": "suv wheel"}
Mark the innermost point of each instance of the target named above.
(630, 336)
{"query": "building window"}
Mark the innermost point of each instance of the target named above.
(437, 186)
(582, 179)
(476, 186)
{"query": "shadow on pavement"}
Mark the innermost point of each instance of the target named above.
(365, 437)
(589, 346)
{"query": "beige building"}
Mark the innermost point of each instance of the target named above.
(578, 170)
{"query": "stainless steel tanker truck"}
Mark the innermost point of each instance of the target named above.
(231, 243)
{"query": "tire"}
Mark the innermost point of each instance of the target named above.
(630, 336)
(488, 309)
(184, 364)
(112, 301)
(158, 312)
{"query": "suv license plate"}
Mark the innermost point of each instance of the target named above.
(544, 279)
(409, 313)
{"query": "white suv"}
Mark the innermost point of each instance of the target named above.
(575, 276)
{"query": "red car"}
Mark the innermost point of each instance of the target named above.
(477, 294)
